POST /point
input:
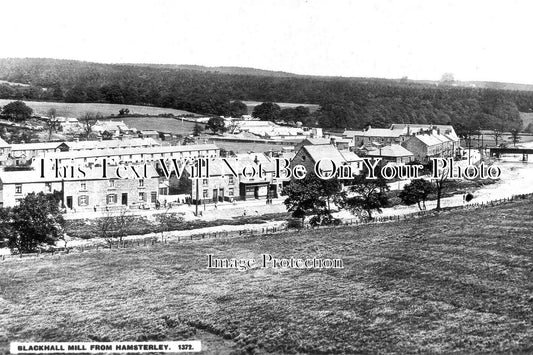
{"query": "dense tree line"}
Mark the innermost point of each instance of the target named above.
(344, 102)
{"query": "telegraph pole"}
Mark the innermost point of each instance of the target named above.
(197, 191)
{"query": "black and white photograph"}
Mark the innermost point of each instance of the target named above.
(266, 177)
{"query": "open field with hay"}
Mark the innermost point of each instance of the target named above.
(79, 109)
(459, 281)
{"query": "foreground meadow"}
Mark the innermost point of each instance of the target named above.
(460, 281)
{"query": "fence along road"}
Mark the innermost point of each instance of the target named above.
(249, 232)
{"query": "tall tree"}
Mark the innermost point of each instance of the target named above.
(313, 196)
(417, 192)
(267, 111)
(36, 220)
(52, 124)
(197, 130)
(238, 109)
(368, 194)
(216, 124)
(515, 136)
(17, 110)
(88, 120)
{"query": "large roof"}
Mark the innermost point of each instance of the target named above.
(88, 145)
(322, 152)
(375, 132)
(431, 139)
(130, 151)
(35, 146)
(446, 130)
(113, 143)
(403, 129)
(394, 150)
(34, 176)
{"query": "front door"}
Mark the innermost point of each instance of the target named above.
(69, 202)
(221, 195)
(215, 195)
(125, 199)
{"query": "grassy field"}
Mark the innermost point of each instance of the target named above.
(252, 104)
(527, 118)
(457, 282)
(78, 109)
(163, 124)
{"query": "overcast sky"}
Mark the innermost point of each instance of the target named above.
(474, 40)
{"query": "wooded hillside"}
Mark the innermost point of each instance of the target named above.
(345, 102)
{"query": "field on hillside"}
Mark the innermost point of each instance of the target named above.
(252, 104)
(527, 118)
(78, 109)
(163, 124)
(459, 282)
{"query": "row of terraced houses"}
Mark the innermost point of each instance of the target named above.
(23, 171)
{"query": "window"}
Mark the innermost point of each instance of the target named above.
(205, 182)
(230, 192)
(206, 194)
(153, 197)
(48, 187)
(83, 200)
(83, 186)
(141, 183)
(111, 199)
(142, 196)
(18, 188)
(111, 183)
(231, 179)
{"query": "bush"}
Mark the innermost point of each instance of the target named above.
(294, 223)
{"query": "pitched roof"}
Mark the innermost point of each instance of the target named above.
(36, 146)
(403, 129)
(349, 156)
(320, 152)
(446, 130)
(3, 143)
(287, 155)
(428, 139)
(376, 132)
(394, 150)
(317, 141)
(113, 143)
(130, 151)
(349, 133)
